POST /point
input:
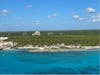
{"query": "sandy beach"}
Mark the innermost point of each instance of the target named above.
(60, 50)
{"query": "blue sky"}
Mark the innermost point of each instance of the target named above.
(22, 15)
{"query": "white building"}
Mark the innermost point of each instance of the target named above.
(6, 45)
(50, 33)
(3, 38)
(37, 33)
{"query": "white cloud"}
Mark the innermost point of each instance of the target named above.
(96, 18)
(52, 15)
(77, 17)
(4, 12)
(90, 10)
(28, 6)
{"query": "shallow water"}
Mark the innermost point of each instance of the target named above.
(69, 62)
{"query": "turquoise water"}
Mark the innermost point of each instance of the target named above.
(70, 62)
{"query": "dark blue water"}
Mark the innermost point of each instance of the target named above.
(70, 62)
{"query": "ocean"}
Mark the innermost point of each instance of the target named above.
(68, 62)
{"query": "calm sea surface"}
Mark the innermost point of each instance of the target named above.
(69, 62)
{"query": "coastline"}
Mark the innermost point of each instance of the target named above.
(54, 50)
(61, 50)
(47, 48)
(58, 48)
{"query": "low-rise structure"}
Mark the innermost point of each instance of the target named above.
(6, 45)
(37, 33)
(3, 38)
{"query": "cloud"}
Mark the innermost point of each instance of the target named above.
(52, 15)
(77, 17)
(96, 18)
(4, 12)
(90, 10)
(28, 6)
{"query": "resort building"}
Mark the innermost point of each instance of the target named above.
(50, 33)
(37, 33)
(6, 45)
(3, 38)
(61, 33)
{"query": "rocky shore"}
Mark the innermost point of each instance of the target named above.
(46, 48)
(57, 49)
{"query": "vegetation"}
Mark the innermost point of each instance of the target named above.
(85, 38)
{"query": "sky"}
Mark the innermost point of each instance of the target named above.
(30, 15)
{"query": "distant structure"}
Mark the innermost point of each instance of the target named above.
(6, 44)
(50, 33)
(3, 38)
(24, 33)
(37, 33)
(61, 33)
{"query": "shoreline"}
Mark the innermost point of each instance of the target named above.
(60, 50)
(51, 50)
